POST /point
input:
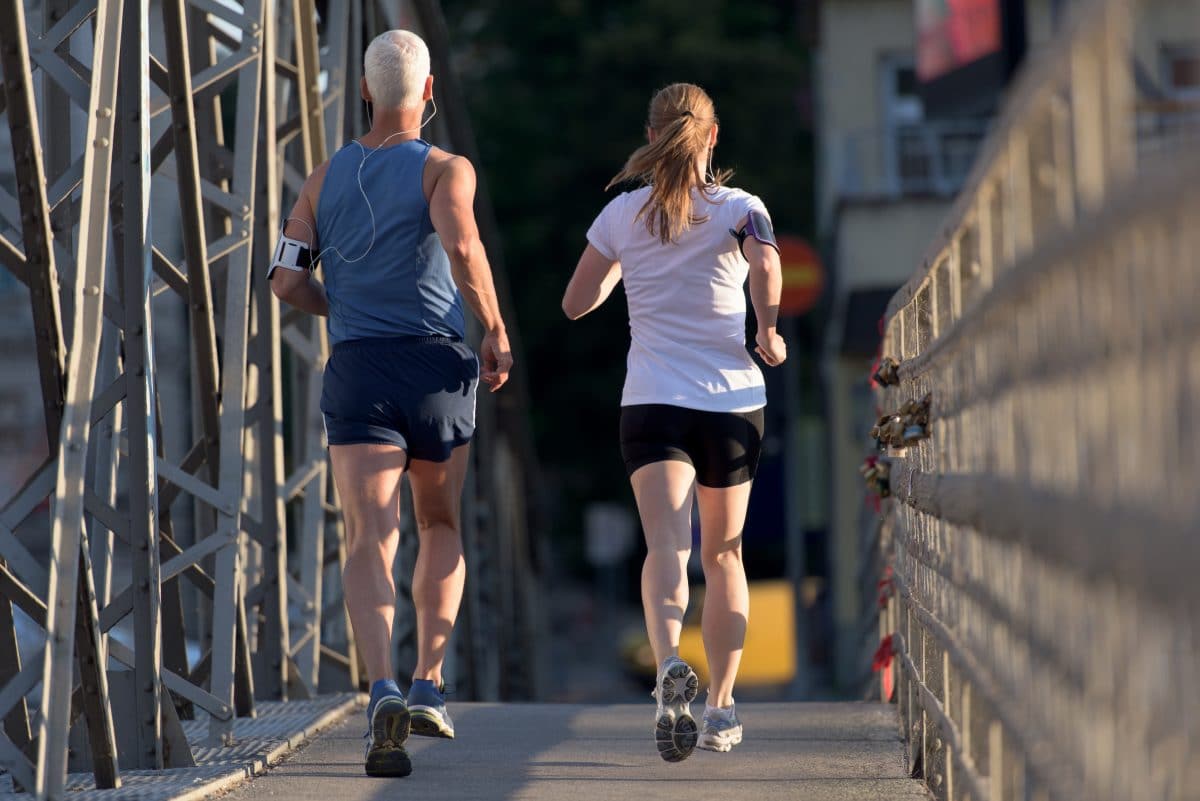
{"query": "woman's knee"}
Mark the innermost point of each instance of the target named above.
(726, 555)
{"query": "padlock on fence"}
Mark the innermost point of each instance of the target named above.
(888, 372)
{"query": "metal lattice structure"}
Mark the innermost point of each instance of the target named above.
(1042, 539)
(155, 148)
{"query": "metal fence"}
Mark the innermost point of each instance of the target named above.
(153, 150)
(1042, 540)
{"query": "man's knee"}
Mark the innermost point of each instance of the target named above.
(437, 514)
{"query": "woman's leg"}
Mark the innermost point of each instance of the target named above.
(368, 484)
(726, 597)
(663, 491)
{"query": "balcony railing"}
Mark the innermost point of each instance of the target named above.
(927, 158)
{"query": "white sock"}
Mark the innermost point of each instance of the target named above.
(725, 712)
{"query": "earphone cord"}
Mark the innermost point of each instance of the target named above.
(370, 209)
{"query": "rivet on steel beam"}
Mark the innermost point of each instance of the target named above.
(253, 49)
(104, 112)
(91, 290)
(101, 142)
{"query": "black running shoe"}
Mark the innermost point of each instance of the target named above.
(390, 724)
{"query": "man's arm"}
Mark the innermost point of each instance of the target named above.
(300, 288)
(451, 208)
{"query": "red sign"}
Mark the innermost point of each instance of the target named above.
(803, 276)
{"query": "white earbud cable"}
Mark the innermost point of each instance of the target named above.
(370, 209)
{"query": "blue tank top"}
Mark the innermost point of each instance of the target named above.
(402, 285)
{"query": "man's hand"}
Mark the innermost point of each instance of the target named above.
(496, 357)
(770, 347)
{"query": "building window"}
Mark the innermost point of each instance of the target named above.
(1181, 70)
(922, 156)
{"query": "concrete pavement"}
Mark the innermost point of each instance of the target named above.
(536, 752)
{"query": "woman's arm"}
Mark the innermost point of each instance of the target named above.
(593, 281)
(766, 285)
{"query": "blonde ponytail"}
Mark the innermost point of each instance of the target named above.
(682, 118)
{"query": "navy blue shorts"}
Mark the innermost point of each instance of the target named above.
(414, 392)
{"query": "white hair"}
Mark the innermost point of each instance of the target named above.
(396, 66)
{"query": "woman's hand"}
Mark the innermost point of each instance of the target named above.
(770, 347)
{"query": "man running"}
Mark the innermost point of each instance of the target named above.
(390, 220)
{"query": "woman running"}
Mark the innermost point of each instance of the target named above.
(692, 407)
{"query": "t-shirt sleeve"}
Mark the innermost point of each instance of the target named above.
(747, 203)
(602, 235)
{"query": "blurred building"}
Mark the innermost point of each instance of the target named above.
(887, 172)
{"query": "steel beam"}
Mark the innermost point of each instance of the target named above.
(67, 534)
(227, 600)
(140, 407)
(266, 419)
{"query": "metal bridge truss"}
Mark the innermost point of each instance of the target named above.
(124, 115)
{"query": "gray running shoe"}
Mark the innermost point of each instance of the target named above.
(720, 732)
(674, 727)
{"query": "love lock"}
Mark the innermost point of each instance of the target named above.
(894, 435)
(888, 372)
(883, 467)
(914, 433)
(878, 428)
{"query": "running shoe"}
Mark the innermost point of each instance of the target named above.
(721, 730)
(674, 726)
(427, 704)
(389, 721)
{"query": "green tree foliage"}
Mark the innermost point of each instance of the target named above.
(558, 91)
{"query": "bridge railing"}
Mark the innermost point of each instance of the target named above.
(1041, 528)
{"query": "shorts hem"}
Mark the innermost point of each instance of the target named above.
(727, 481)
(444, 455)
(634, 465)
(368, 441)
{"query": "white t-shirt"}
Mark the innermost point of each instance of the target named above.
(687, 308)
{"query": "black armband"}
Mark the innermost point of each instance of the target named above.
(758, 225)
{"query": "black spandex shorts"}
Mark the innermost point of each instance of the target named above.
(723, 446)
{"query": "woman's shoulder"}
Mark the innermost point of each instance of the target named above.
(631, 196)
(726, 194)
(628, 202)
